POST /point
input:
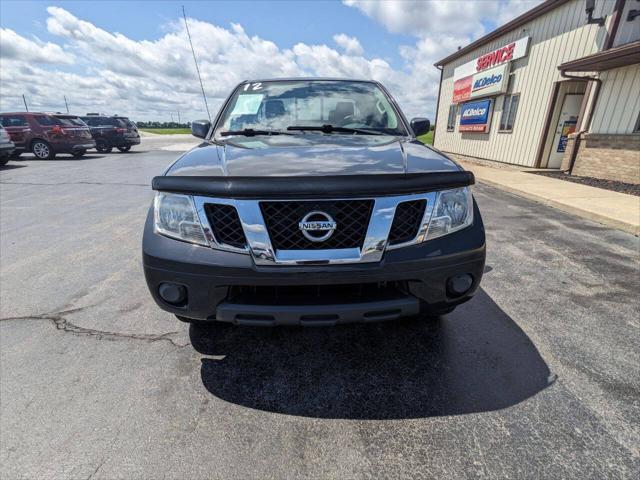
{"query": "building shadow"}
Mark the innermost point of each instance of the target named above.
(476, 359)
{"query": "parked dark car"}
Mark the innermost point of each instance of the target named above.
(311, 202)
(110, 132)
(6, 146)
(46, 135)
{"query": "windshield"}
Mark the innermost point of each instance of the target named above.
(278, 106)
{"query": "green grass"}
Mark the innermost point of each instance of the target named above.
(166, 131)
(427, 138)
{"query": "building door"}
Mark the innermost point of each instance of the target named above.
(566, 125)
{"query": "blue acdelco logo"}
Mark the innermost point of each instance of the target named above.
(475, 112)
(487, 81)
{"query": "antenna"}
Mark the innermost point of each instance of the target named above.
(65, 103)
(196, 62)
(25, 103)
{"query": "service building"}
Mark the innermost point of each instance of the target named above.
(557, 87)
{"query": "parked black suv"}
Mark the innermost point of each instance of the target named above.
(312, 203)
(110, 132)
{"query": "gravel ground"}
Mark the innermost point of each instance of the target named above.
(621, 187)
(537, 377)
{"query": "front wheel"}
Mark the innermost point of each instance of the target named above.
(78, 153)
(4, 160)
(42, 150)
(103, 146)
(125, 149)
(16, 154)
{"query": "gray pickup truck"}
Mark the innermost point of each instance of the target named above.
(310, 202)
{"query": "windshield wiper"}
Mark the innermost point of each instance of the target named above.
(250, 132)
(330, 129)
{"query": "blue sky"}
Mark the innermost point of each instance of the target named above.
(136, 53)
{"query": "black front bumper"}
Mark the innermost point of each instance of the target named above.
(209, 276)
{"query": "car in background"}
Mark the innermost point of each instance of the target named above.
(46, 135)
(6, 146)
(110, 132)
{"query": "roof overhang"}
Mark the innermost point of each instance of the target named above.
(622, 56)
(526, 17)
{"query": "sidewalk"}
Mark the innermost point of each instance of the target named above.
(616, 210)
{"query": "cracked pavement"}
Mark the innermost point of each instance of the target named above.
(537, 377)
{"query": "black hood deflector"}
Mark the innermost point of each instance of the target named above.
(339, 186)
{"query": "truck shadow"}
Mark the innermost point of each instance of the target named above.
(476, 359)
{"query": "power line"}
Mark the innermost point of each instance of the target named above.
(196, 62)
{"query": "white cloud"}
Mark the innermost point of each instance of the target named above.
(99, 70)
(350, 45)
(14, 46)
(428, 19)
(150, 79)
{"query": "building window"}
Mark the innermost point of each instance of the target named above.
(509, 110)
(451, 121)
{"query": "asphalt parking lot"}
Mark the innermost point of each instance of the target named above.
(537, 377)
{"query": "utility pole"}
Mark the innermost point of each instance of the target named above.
(25, 103)
(171, 117)
(178, 116)
(65, 103)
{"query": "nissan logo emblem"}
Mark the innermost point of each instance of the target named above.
(317, 226)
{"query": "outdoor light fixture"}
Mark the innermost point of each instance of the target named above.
(590, 5)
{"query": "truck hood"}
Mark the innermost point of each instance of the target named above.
(311, 155)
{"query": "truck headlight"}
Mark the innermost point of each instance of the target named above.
(175, 216)
(453, 211)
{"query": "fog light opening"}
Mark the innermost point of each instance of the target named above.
(173, 294)
(458, 285)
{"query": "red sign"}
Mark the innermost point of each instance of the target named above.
(501, 55)
(462, 89)
(472, 128)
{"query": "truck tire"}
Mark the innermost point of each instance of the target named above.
(125, 149)
(43, 150)
(4, 159)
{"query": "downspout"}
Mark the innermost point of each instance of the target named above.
(435, 122)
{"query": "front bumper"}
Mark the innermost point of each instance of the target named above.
(208, 276)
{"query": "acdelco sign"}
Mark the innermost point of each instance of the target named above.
(475, 116)
(502, 55)
(483, 84)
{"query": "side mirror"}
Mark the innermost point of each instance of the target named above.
(420, 126)
(200, 128)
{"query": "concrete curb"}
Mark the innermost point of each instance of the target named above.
(603, 219)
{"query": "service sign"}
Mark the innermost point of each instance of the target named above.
(505, 54)
(489, 82)
(475, 116)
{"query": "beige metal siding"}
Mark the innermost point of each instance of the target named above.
(619, 103)
(628, 31)
(559, 36)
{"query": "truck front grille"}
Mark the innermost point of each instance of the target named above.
(225, 224)
(406, 221)
(282, 219)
